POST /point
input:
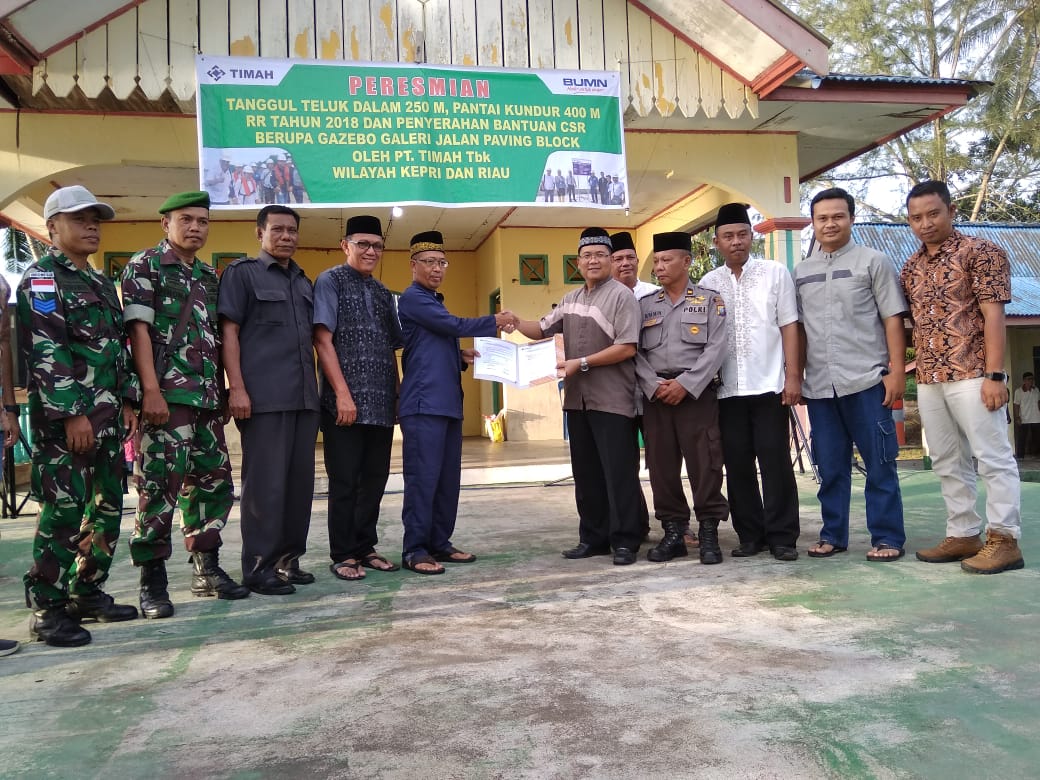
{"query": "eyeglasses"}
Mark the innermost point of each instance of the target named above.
(432, 262)
(594, 256)
(364, 246)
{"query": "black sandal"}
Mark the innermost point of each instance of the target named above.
(412, 562)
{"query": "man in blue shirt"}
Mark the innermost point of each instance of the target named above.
(430, 409)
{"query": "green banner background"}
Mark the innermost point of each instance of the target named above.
(448, 150)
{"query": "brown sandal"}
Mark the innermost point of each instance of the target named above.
(373, 559)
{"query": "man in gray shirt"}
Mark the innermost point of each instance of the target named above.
(850, 310)
(600, 327)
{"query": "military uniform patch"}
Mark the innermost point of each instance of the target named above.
(43, 293)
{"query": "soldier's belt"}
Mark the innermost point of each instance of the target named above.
(670, 374)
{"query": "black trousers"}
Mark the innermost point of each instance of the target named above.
(357, 460)
(754, 428)
(605, 465)
(1027, 440)
(277, 489)
(688, 431)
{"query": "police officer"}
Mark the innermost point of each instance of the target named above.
(80, 384)
(182, 406)
(682, 342)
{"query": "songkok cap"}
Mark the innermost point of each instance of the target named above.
(183, 200)
(75, 198)
(431, 240)
(621, 241)
(666, 241)
(364, 224)
(594, 235)
(732, 214)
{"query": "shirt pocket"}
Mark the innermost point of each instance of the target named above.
(85, 316)
(694, 327)
(651, 335)
(272, 307)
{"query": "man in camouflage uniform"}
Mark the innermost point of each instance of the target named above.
(80, 384)
(9, 416)
(182, 450)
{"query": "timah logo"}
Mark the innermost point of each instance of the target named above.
(585, 82)
(216, 73)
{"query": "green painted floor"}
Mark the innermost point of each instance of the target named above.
(525, 665)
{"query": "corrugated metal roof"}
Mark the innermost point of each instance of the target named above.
(853, 78)
(1021, 241)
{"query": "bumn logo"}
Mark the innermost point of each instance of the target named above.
(584, 82)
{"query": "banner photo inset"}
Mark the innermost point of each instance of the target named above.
(314, 133)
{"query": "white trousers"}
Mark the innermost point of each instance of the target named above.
(958, 425)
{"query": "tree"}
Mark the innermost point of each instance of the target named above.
(986, 151)
(20, 249)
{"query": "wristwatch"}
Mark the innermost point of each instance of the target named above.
(584, 364)
(12, 408)
(996, 376)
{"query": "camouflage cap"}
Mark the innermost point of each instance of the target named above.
(183, 200)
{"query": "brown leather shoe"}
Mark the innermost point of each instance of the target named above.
(950, 549)
(1001, 553)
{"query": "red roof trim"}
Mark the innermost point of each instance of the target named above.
(782, 223)
(873, 93)
(779, 72)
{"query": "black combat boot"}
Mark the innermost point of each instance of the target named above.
(50, 623)
(211, 580)
(98, 605)
(671, 546)
(155, 598)
(708, 536)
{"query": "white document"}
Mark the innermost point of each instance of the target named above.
(519, 365)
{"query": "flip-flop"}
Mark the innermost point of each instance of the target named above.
(349, 563)
(418, 560)
(369, 562)
(448, 556)
(873, 554)
(833, 551)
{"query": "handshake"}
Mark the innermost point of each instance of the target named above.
(507, 321)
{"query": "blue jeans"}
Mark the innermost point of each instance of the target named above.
(837, 424)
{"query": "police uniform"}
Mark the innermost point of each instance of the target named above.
(683, 340)
(184, 459)
(74, 344)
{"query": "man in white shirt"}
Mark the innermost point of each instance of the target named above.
(1027, 415)
(760, 381)
(548, 186)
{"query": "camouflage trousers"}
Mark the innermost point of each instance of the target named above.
(81, 503)
(183, 462)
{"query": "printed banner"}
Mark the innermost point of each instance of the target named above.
(317, 133)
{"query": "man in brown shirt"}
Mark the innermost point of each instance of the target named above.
(957, 287)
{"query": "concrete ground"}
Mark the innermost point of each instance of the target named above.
(526, 665)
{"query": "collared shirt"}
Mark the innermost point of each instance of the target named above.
(359, 312)
(945, 293)
(591, 321)
(156, 286)
(684, 340)
(274, 309)
(643, 289)
(1026, 400)
(432, 382)
(72, 338)
(843, 299)
(760, 302)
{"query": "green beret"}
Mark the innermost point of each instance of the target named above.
(183, 200)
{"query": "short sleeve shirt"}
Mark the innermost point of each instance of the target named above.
(844, 297)
(156, 288)
(590, 321)
(760, 302)
(1029, 411)
(274, 309)
(945, 293)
